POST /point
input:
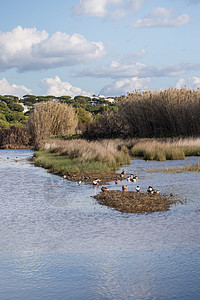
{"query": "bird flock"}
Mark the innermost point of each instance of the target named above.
(131, 178)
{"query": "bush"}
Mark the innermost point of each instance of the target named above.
(51, 118)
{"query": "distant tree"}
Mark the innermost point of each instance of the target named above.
(15, 107)
(84, 116)
(3, 107)
(15, 116)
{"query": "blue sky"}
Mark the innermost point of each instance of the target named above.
(101, 47)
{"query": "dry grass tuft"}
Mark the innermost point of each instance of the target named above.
(166, 149)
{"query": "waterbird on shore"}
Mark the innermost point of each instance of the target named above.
(124, 187)
(96, 182)
(116, 181)
(65, 176)
(137, 189)
(156, 192)
(79, 182)
(104, 189)
(150, 190)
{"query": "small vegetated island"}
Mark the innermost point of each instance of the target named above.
(84, 139)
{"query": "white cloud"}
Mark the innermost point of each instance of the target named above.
(162, 17)
(192, 83)
(56, 87)
(104, 8)
(95, 8)
(118, 69)
(122, 87)
(12, 89)
(30, 49)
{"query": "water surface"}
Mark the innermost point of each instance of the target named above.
(57, 242)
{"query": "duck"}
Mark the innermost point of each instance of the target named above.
(150, 190)
(64, 176)
(124, 187)
(79, 182)
(116, 181)
(135, 177)
(96, 182)
(156, 192)
(123, 172)
(137, 189)
(104, 189)
(129, 179)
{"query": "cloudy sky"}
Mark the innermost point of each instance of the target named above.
(102, 47)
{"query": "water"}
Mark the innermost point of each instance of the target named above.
(57, 242)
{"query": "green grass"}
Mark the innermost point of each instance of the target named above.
(64, 164)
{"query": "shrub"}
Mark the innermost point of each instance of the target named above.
(51, 118)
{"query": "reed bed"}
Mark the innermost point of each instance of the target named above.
(177, 169)
(172, 112)
(166, 149)
(81, 155)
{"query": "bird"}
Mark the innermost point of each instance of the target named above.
(129, 179)
(137, 189)
(150, 190)
(65, 176)
(124, 187)
(135, 177)
(79, 182)
(123, 172)
(104, 189)
(116, 181)
(96, 182)
(156, 192)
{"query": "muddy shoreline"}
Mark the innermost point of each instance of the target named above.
(133, 202)
(123, 201)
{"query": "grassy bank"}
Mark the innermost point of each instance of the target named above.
(80, 156)
(166, 149)
(177, 169)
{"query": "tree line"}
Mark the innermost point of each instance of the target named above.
(166, 113)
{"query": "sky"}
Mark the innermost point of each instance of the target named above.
(98, 47)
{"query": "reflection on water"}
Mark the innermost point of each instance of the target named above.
(57, 242)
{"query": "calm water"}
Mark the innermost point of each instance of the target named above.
(56, 242)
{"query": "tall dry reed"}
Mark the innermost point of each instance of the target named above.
(164, 149)
(171, 112)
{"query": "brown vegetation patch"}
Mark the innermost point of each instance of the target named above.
(89, 177)
(133, 202)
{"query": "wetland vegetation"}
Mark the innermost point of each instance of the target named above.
(84, 138)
